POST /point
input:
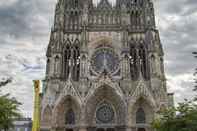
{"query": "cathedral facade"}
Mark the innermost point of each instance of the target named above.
(105, 68)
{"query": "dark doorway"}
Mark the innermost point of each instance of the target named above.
(69, 129)
(110, 129)
(141, 129)
(100, 129)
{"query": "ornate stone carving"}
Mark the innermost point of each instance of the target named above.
(104, 89)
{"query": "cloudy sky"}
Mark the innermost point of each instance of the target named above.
(24, 35)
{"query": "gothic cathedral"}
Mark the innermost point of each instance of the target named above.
(105, 68)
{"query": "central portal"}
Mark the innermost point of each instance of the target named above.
(105, 129)
(106, 110)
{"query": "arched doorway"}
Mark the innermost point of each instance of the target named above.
(100, 129)
(141, 129)
(67, 114)
(47, 117)
(105, 129)
(110, 129)
(69, 129)
(142, 114)
(105, 110)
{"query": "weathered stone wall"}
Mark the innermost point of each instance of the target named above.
(128, 31)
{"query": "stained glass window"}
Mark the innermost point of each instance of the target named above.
(76, 66)
(133, 63)
(70, 117)
(105, 114)
(143, 62)
(140, 116)
(67, 57)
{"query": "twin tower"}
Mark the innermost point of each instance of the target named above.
(105, 69)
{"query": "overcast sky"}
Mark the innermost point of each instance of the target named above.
(24, 35)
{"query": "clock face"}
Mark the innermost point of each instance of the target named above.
(105, 59)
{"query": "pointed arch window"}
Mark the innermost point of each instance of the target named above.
(56, 69)
(140, 116)
(47, 119)
(67, 57)
(161, 65)
(131, 18)
(76, 3)
(141, 2)
(143, 61)
(70, 117)
(153, 64)
(133, 2)
(74, 19)
(48, 66)
(76, 67)
(133, 63)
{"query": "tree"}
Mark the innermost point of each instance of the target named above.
(9, 109)
(181, 118)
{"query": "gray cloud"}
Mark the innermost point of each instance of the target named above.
(24, 35)
(176, 21)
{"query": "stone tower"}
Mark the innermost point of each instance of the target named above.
(105, 69)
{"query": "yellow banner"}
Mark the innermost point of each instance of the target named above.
(36, 113)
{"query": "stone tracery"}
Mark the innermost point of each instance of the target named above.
(101, 97)
(117, 100)
(104, 113)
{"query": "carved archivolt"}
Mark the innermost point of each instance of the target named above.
(69, 90)
(63, 105)
(105, 94)
(47, 117)
(105, 81)
(142, 91)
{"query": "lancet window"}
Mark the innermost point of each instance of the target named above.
(72, 4)
(47, 116)
(133, 62)
(140, 116)
(67, 60)
(76, 3)
(72, 20)
(76, 63)
(56, 64)
(136, 2)
(70, 117)
(143, 61)
(135, 18)
(48, 66)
